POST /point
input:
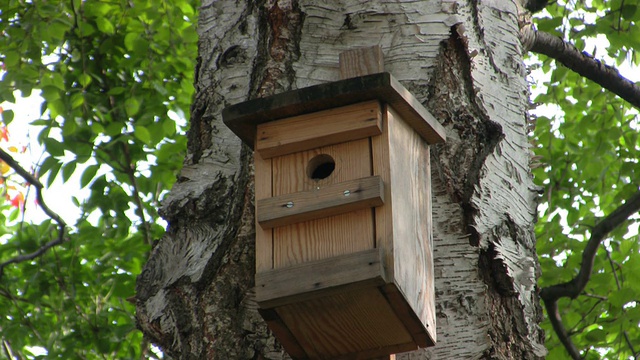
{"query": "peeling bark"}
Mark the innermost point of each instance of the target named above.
(462, 60)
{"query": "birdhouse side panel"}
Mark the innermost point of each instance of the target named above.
(412, 239)
(334, 235)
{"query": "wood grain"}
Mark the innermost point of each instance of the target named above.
(361, 61)
(334, 199)
(412, 239)
(343, 325)
(319, 278)
(322, 128)
(263, 190)
(284, 335)
(243, 118)
(330, 236)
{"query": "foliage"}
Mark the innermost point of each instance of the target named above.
(589, 148)
(111, 73)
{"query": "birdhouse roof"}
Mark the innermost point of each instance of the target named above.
(243, 118)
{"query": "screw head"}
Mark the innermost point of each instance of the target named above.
(289, 204)
(347, 193)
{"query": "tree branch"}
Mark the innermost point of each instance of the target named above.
(575, 286)
(536, 5)
(581, 62)
(558, 327)
(38, 185)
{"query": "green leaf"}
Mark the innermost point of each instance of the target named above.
(88, 175)
(85, 29)
(596, 336)
(58, 81)
(142, 134)
(132, 106)
(7, 116)
(84, 80)
(67, 170)
(105, 26)
(130, 40)
(54, 147)
(11, 58)
(77, 100)
(57, 108)
(116, 90)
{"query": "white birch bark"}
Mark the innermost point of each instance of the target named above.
(462, 59)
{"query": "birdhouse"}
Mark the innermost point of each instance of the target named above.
(344, 262)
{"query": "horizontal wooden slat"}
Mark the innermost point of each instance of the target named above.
(319, 278)
(330, 200)
(243, 118)
(322, 128)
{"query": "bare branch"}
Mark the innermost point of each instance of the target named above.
(4, 156)
(38, 185)
(581, 62)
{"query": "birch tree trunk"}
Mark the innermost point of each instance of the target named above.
(462, 60)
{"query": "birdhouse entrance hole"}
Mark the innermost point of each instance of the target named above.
(321, 167)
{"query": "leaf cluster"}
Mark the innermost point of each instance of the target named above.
(114, 77)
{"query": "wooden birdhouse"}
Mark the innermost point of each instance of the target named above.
(344, 262)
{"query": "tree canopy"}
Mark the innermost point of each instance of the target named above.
(587, 151)
(115, 76)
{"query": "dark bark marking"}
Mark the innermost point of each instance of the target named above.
(452, 99)
(348, 23)
(199, 134)
(280, 30)
(233, 55)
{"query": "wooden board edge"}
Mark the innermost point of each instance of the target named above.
(386, 353)
(334, 199)
(347, 121)
(384, 215)
(319, 278)
(263, 190)
(243, 118)
(423, 335)
(282, 333)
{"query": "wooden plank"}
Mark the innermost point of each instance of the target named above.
(322, 128)
(281, 331)
(319, 278)
(243, 118)
(383, 215)
(327, 237)
(327, 201)
(263, 190)
(409, 164)
(405, 313)
(345, 325)
(360, 62)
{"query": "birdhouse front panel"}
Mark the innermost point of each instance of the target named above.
(314, 170)
(344, 265)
